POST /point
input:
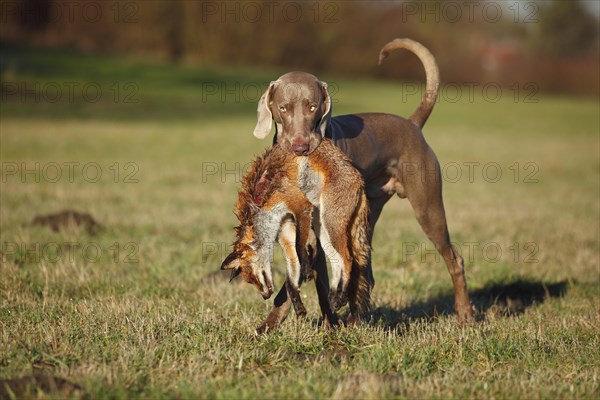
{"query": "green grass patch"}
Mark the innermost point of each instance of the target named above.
(138, 310)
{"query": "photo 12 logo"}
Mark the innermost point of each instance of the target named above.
(489, 172)
(69, 171)
(451, 172)
(69, 92)
(470, 11)
(251, 92)
(472, 92)
(71, 11)
(55, 252)
(471, 252)
(270, 11)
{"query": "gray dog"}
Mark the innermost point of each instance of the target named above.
(389, 151)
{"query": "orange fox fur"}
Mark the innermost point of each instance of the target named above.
(276, 203)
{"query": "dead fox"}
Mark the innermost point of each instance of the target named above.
(276, 202)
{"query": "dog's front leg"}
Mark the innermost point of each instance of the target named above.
(278, 314)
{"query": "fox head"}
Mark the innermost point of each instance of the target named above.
(249, 260)
(259, 219)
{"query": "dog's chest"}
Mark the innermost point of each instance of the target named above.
(310, 181)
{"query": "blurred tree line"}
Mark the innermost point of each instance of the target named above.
(552, 43)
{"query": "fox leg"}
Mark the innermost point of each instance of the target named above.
(319, 269)
(334, 239)
(287, 241)
(283, 302)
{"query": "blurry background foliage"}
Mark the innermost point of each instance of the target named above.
(552, 43)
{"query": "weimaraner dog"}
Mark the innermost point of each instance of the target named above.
(389, 151)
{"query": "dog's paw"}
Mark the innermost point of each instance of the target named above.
(464, 313)
(263, 329)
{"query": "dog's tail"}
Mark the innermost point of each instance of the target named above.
(359, 288)
(419, 117)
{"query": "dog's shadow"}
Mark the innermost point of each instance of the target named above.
(502, 299)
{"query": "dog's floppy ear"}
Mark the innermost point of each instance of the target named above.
(232, 262)
(327, 112)
(265, 118)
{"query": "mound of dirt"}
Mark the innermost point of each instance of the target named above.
(68, 219)
(32, 384)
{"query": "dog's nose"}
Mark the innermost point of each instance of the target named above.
(300, 148)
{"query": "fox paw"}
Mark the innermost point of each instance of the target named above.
(337, 300)
(306, 271)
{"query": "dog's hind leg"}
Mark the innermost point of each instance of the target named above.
(426, 200)
(376, 204)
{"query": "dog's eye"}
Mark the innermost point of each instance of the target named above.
(312, 108)
(282, 109)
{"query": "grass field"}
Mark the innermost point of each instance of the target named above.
(138, 310)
